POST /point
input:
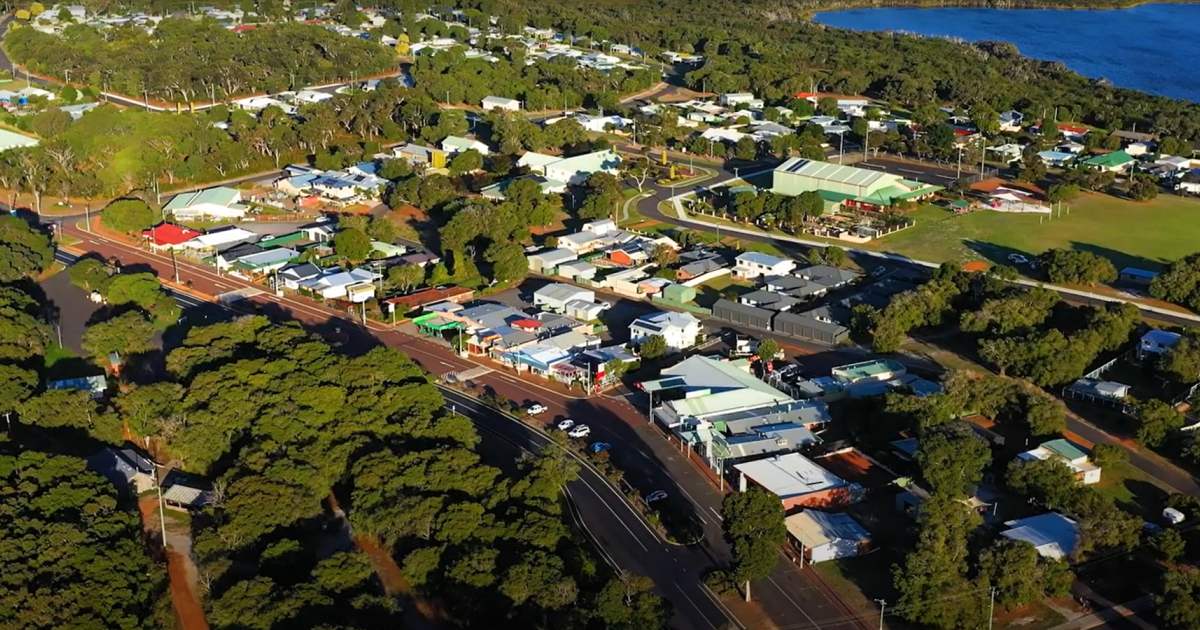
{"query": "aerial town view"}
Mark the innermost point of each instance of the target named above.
(591, 314)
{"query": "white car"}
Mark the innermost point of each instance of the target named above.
(1017, 259)
(580, 431)
(566, 424)
(535, 409)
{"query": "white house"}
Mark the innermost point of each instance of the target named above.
(220, 202)
(356, 285)
(1011, 121)
(547, 261)
(1053, 535)
(826, 535)
(1064, 451)
(574, 170)
(457, 144)
(499, 102)
(680, 330)
(554, 297)
(754, 264)
(734, 99)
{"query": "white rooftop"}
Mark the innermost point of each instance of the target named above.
(790, 475)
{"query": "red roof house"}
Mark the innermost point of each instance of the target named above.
(169, 235)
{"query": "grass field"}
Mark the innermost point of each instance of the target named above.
(1143, 234)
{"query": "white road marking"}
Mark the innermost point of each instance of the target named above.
(716, 513)
(693, 603)
(789, 598)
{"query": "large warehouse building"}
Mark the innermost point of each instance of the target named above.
(846, 185)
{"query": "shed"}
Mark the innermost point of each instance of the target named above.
(679, 293)
(805, 326)
(827, 536)
(742, 314)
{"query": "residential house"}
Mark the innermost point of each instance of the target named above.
(769, 300)
(95, 385)
(1069, 454)
(754, 264)
(1115, 162)
(453, 145)
(1096, 390)
(798, 482)
(699, 268)
(221, 202)
(292, 276)
(11, 140)
(1053, 535)
(320, 232)
(127, 469)
(828, 276)
(167, 236)
(421, 155)
(823, 536)
(424, 298)
(680, 330)
(574, 170)
(794, 286)
(355, 285)
(1056, 158)
(555, 296)
(1189, 183)
(600, 124)
(211, 241)
(1011, 121)
(501, 103)
(1156, 343)
(265, 261)
(226, 258)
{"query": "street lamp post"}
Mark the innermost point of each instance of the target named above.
(882, 606)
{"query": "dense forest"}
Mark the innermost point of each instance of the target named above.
(186, 60)
(768, 48)
(72, 545)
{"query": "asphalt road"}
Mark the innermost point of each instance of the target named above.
(622, 535)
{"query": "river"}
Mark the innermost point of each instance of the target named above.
(1153, 47)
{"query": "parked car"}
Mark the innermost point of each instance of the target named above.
(565, 424)
(657, 495)
(600, 447)
(580, 431)
(1017, 259)
(535, 409)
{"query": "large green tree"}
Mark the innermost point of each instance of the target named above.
(753, 525)
(24, 251)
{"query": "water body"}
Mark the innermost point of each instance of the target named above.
(1154, 48)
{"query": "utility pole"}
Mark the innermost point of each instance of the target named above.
(162, 517)
(882, 606)
(991, 607)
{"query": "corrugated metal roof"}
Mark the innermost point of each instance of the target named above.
(842, 174)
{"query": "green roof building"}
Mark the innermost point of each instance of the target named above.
(849, 186)
(1114, 162)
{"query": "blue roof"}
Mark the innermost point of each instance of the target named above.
(369, 168)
